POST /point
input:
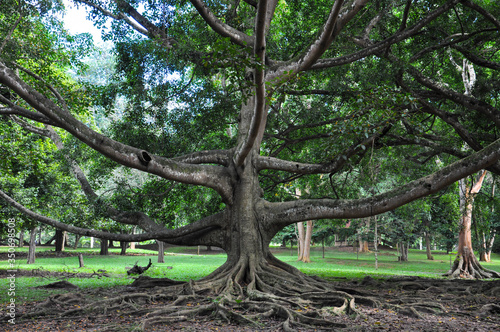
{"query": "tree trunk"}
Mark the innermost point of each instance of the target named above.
(123, 246)
(300, 240)
(77, 239)
(363, 246)
(306, 257)
(403, 252)
(104, 247)
(486, 245)
(161, 251)
(466, 264)
(484, 255)
(304, 241)
(428, 246)
(375, 240)
(40, 228)
(21, 239)
(32, 247)
(59, 237)
(80, 260)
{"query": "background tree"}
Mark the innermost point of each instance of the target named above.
(222, 95)
(484, 219)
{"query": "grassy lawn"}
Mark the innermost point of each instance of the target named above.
(179, 266)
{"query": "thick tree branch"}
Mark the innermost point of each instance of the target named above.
(382, 45)
(118, 17)
(482, 11)
(278, 215)
(476, 59)
(151, 28)
(259, 116)
(186, 235)
(237, 37)
(263, 162)
(218, 157)
(405, 15)
(467, 101)
(330, 30)
(13, 109)
(213, 177)
(125, 217)
(332, 27)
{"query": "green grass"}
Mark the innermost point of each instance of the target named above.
(336, 264)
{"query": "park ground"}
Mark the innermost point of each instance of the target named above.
(409, 296)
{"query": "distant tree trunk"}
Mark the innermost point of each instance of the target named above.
(363, 245)
(77, 239)
(21, 239)
(80, 260)
(487, 245)
(123, 246)
(484, 253)
(304, 241)
(111, 244)
(403, 251)
(323, 246)
(375, 240)
(466, 264)
(283, 242)
(59, 240)
(428, 246)
(161, 251)
(32, 246)
(104, 247)
(40, 228)
(209, 248)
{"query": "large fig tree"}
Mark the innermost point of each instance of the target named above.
(247, 97)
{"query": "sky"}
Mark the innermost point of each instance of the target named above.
(76, 22)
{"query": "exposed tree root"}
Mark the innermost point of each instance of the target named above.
(248, 294)
(244, 293)
(322, 305)
(468, 267)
